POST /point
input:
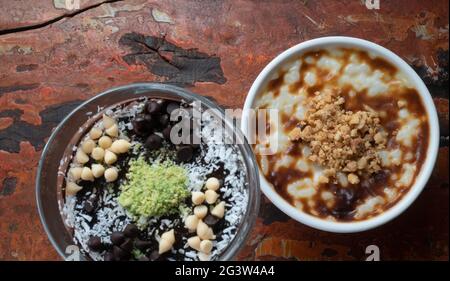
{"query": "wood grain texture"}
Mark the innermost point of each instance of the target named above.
(52, 59)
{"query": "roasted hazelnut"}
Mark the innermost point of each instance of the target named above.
(352, 178)
(206, 246)
(112, 131)
(81, 157)
(72, 188)
(201, 211)
(166, 241)
(120, 146)
(203, 257)
(75, 173)
(198, 197)
(169, 236)
(98, 153)
(219, 210)
(110, 157)
(194, 242)
(87, 146)
(212, 184)
(111, 174)
(105, 142)
(86, 174)
(95, 133)
(97, 170)
(164, 246)
(191, 222)
(211, 196)
(204, 231)
(108, 122)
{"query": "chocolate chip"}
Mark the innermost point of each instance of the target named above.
(109, 256)
(142, 245)
(140, 126)
(91, 203)
(120, 254)
(95, 243)
(143, 258)
(149, 121)
(117, 238)
(346, 194)
(210, 220)
(153, 142)
(184, 153)
(164, 120)
(127, 245)
(88, 206)
(154, 255)
(344, 206)
(154, 107)
(166, 132)
(171, 107)
(131, 231)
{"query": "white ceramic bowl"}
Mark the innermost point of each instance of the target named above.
(433, 146)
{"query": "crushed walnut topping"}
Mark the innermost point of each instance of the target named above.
(341, 140)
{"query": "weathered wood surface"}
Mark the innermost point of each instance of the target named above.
(51, 59)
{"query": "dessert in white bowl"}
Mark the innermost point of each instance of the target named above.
(356, 135)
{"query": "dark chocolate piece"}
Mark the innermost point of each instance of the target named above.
(166, 132)
(184, 153)
(142, 245)
(109, 256)
(131, 231)
(210, 220)
(164, 120)
(154, 107)
(171, 107)
(127, 245)
(117, 238)
(120, 254)
(95, 244)
(153, 142)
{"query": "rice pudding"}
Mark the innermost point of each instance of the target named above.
(351, 133)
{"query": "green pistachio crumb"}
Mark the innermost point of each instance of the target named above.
(154, 189)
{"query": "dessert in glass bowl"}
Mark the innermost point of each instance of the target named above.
(146, 178)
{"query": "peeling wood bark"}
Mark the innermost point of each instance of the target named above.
(12, 136)
(56, 15)
(178, 65)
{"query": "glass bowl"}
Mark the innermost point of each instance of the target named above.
(48, 190)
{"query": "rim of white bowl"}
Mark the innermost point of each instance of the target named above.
(427, 166)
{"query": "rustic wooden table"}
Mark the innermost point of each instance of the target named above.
(53, 58)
